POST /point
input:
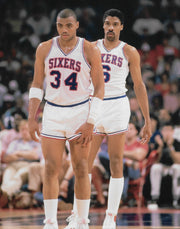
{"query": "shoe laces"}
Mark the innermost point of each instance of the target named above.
(83, 221)
(49, 221)
(71, 217)
(110, 217)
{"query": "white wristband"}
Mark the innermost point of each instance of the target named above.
(94, 110)
(35, 92)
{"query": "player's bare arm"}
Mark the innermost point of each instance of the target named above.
(93, 56)
(38, 79)
(139, 87)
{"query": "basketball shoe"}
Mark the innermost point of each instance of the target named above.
(50, 224)
(72, 221)
(109, 221)
(82, 223)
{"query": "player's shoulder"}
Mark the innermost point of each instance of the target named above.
(130, 51)
(90, 47)
(129, 48)
(44, 47)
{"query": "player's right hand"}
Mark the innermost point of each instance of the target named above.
(86, 131)
(34, 130)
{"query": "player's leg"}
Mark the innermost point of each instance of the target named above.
(95, 145)
(79, 158)
(96, 142)
(52, 151)
(116, 184)
(94, 171)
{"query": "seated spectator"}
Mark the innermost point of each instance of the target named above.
(39, 20)
(18, 157)
(162, 49)
(168, 163)
(148, 56)
(155, 141)
(11, 134)
(147, 26)
(164, 117)
(151, 91)
(163, 86)
(171, 102)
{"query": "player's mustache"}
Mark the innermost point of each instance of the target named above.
(110, 32)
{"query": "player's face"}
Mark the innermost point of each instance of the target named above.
(67, 27)
(112, 28)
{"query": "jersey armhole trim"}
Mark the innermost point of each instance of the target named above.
(83, 52)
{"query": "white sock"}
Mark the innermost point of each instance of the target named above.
(83, 208)
(50, 208)
(114, 195)
(74, 204)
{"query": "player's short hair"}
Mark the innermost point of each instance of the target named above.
(114, 13)
(67, 13)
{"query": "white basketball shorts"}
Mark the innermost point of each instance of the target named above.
(114, 116)
(61, 122)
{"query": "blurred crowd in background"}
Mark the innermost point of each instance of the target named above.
(152, 26)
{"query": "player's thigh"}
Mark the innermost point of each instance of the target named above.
(95, 145)
(53, 150)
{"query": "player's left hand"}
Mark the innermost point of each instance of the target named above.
(145, 133)
(86, 131)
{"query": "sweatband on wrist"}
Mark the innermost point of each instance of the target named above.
(95, 108)
(35, 92)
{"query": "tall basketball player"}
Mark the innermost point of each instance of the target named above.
(118, 58)
(69, 63)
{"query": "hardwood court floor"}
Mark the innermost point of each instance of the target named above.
(130, 218)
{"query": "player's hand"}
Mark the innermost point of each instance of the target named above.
(34, 130)
(146, 133)
(86, 131)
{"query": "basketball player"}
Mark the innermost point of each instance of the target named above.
(69, 63)
(118, 58)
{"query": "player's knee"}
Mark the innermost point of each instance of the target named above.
(51, 168)
(81, 168)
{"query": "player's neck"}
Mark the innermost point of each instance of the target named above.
(111, 44)
(68, 46)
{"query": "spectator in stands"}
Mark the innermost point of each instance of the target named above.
(39, 21)
(18, 156)
(171, 102)
(16, 108)
(169, 64)
(148, 56)
(146, 26)
(173, 38)
(167, 164)
(151, 91)
(13, 133)
(164, 117)
(155, 141)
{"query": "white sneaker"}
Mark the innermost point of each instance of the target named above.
(72, 221)
(82, 223)
(152, 205)
(109, 221)
(50, 224)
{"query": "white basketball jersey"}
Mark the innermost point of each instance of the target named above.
(115, 67)
(67, 75)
